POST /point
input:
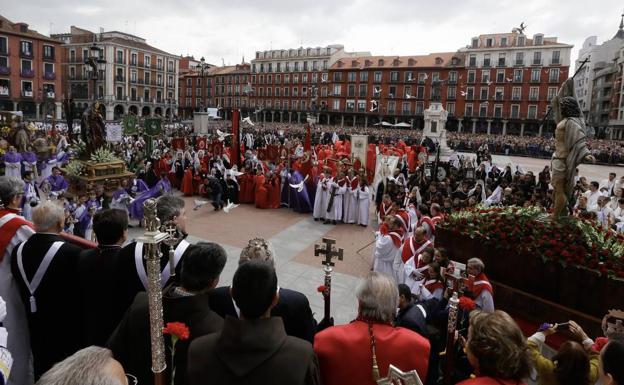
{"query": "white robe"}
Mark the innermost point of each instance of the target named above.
(320, 201)
(363, 199)
(350, 206)
(384, 254)
(13, 169)
(30, 194)
(335, 213)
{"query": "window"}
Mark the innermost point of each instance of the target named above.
(314, 65)
(420, 92)
(486, 59)
(377, 78)
(296, 66)
(27, 89)
(515, 111)
(553, 75)
(472, 75)
(314, 78)
(475, 42)
(483, 109)
(556, 57)
(350, 105)
(392, 92)
(409, 76)
(470, 93)
(552, 91)
(337, 76)
(539, 40)
(26, 48)
(519, 58)
(148, 61)
(537, 58)
(451, 92)
(498, 110)
(534, 93)
(420, 107)
(295, 78)
(406, 108)
(133, 59)
(500, 76)
(351, 90)
(517, 76)
(501, 59)
(468, 111)
(48, 52)
(324, 77)
(521, 40)
(48, 71)
(422, 77)
(499, 93)
(286, 91)
(407, 92)
(269, 91)
(532, 112)
(484, 93)
(450, 107)
(119, 57)
(364, 76)
(503, 42)
(488, 42)
(363, 91)
(305, 68)
(304, 78)
(535, 75)
(472, 60)
(337, 90)
(391, 107)
(351, 77)
(485, 76)
(361, 106)
(394, 76)
(336, 104)
(452, 78)
(4, 45)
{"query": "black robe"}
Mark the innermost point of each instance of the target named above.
(293, 307)
(130, 342)
(55, 328)
(98, 288)
(252, 352)
(129, 282)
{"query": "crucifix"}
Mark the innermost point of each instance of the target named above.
(329, 251)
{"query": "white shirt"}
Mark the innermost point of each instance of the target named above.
(592, 200)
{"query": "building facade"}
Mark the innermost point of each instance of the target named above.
(30, 71)
(137, 78)
(616, 116)
(286, 84)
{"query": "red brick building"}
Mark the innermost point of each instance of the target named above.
(30, 71)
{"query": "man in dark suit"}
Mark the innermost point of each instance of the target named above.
(131, 264)
(186, 303)
(254, 349)
(45, 269)
(293, 307)
(98, 284)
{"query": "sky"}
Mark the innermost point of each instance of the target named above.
(223, 31)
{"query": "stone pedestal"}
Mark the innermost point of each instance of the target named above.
(435, 123)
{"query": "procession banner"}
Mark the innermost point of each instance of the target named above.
(200, 143)
(178, 143)
(359, 146)
(130, 124)
(153, 126)
(386, 164)
(113, 133)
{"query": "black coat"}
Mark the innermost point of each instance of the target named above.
(293, 307)
(55, 328)
(130, 342)
(414, 316)
(99, 293)
(252, 352)
(128, 278)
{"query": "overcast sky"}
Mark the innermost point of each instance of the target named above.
(229, 29)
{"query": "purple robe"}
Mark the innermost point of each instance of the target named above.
(13, 164)
(138, 186)
(57, 183)
(299, 201)
(136, 208)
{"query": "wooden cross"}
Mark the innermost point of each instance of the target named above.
(329, 251)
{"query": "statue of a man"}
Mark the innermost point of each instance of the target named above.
(570, 146)
(92, 129)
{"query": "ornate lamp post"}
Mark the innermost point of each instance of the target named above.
(202, 67)
(97, 63)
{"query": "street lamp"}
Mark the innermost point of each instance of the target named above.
(202, 66)
(97, 64)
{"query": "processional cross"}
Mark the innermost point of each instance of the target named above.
(330, 252)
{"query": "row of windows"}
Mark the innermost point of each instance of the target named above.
(26, 49)
(518, 76)
(26, 68)
(490, 60)
(26, 89)
(234, 79)
(312, 65)
(223, 102)
(293, 53)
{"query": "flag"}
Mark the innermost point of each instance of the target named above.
(200, 143)
(153, 126)
(178, 143)
(308, 139)
(129, 124)
(235, 149)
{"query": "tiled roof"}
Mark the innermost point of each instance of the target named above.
(7, 26)
(439, 59)
(136, 44)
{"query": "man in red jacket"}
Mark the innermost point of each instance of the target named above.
(370, 342)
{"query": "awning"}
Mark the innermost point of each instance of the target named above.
(402, 124)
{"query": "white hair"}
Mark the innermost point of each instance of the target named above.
(378, 297)
(10, 186)
(88, 366)
(477, 263)
(47, 215)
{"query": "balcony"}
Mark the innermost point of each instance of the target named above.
(133, 81)
(533, 80)
(499, 97)
(533, 98)
(4, 90)
(27, 94)
(519, 63)
(555, 62)
(28, 73)
(133, 63)
(486, 64)
(5, 70)
(501, 63)
(471, 80)
(452, 81)
(537, 62)
(451, 97)
(48, 57)
(472, 63)
(49, 75)
(26, 54)
(469, 97)
(553, 80)
(119, 61)
(515, 97)
(50, 94)
(120, 78)
(170, 69)
(517, 80)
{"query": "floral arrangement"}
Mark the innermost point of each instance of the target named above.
(103, 155)
(569, 241)
(177, 331)
(74, 168)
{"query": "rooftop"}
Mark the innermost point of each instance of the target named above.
(432, 60)
(21, 29)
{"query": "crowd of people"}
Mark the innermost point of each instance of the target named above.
(256, 331)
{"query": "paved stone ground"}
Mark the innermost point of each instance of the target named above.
(293, 237)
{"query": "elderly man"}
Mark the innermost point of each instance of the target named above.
(45, 268)
(482, 288)
(293, 307)
(370, 335)
(92, 365)
(14, 229)
(131, 267)
(255, 348)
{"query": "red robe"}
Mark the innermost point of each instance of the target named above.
(187, 183)
(274, 192)
(246, 183)
(398, 346)
(412, 248)
(262, 198)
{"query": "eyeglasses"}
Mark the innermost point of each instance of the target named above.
(131, 380)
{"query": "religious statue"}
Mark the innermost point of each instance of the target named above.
(92, 129)
(570, 146)
(22, 137)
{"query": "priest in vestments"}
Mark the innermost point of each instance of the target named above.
(387, 245)
(350, 198)
(320, 199)
(378, 299)
(262, 193)
(52, 304)
(482, 290)
(14, 230)
(363, 197)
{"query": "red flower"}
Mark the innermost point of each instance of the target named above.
(177, 329)
(321, 289)
(600, 343)
(467, 304)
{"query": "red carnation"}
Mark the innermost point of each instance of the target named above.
(177, 330)
(467, 304)
(600, 343)
(321, 289)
